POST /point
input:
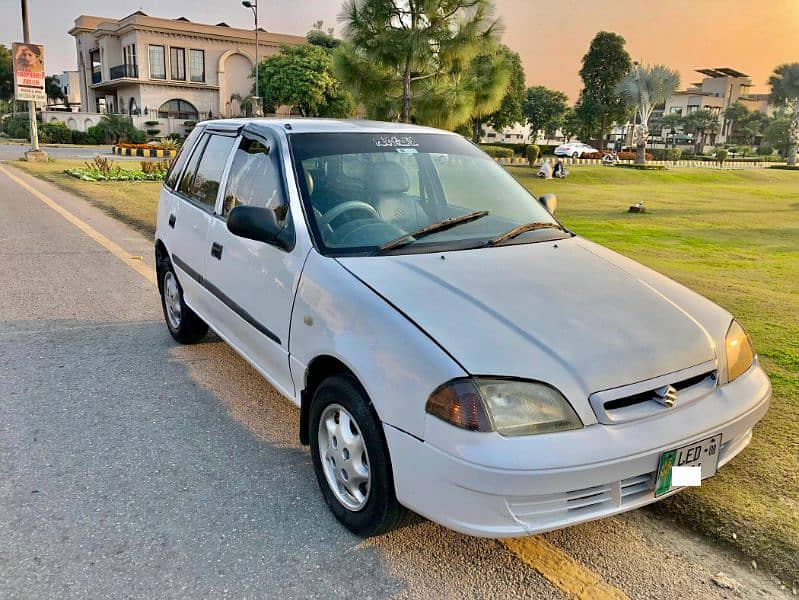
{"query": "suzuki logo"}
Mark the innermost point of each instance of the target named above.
(666, 395)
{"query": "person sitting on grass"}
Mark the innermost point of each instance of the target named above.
(545, 172)
(559, 171)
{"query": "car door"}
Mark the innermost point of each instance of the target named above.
(197, 192)
(256, 280)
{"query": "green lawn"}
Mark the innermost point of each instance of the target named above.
(732, 236)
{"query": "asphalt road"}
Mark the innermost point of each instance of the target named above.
(15, 151)
(133, 467)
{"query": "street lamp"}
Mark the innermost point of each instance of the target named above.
(253, 6)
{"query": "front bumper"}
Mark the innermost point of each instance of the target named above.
(604, 471)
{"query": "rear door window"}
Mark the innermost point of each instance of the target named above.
(180, 160)
(201, 182)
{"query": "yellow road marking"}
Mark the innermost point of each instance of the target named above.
(561, 570)
(134, 262)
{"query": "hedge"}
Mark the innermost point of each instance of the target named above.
(642, 167)
(785, 167)
(497, 151)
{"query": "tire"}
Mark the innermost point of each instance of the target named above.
(576, 155)
(373, 509)
(183, 323)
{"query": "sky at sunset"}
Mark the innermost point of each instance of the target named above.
(551, 37)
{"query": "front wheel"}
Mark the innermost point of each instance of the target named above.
(351, 459)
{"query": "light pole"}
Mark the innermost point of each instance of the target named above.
(253, 6)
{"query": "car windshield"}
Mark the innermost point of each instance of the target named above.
(364, 191)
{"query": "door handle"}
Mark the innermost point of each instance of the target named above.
(172, 220)
(216, 250)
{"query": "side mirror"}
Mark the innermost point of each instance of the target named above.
(259, 224)
(550, 202)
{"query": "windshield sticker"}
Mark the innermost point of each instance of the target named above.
(393, 141)
(407, 150)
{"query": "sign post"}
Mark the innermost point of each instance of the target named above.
(29, 81)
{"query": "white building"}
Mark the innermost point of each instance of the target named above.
(69, 82)
(165, 70)
(517, 134)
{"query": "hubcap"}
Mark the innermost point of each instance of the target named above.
(344, 458)
(172, 299)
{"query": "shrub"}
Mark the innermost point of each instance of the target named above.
(80, 137)
(631, 156)
(672, 154)
(54, 133)
(547, 149)
(721, 155)
(95, 135)
(174, 136)
(785, 167)
(17, 126)
(151, 123)
(159, 167)
(765, 151)
(153, 132)
(498, 151)
(532, 153)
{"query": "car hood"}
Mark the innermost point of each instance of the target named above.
(557, 312)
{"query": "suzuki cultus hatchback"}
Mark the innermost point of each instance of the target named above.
(454, 350)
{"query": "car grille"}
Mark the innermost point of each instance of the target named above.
(640, 400)
(550, 509)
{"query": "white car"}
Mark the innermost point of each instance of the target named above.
(574, 149)
(454, 350)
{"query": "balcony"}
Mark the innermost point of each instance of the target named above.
(123, 71)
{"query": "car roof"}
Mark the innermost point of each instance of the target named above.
(313, 125)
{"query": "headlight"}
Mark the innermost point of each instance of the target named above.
(508, 407)
(740, 354)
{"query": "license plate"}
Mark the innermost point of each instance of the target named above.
(703, 454)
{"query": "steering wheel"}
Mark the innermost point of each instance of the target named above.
(339, 210)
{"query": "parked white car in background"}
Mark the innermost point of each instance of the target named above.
(454, 350)
(574, 149)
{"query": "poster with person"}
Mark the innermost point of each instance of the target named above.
(29, 72)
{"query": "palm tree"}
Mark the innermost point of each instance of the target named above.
(671, 122)
(701, 122)
(785, 95)
(644, 88)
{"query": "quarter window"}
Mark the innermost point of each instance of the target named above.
(157, 62)
(203, 175)
(255, 180)
(177, 62)
(197, 60)
(182, 157)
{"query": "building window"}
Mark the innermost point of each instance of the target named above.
(178, 109)
(177, 61)
(197, 66)
(94, 59)
(157, 62)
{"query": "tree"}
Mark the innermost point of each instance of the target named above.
(544, 109)
(643, 88)
(403, 52)
(6, 74)
(53, 89)
(672, 122)
(784, 83)
(604, 66)
(318, 36)
(571, 124)
(735, 116)
(300, 77)
(701, 122)
(502, 64)
(777, 134)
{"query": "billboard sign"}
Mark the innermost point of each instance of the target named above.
(29, 72)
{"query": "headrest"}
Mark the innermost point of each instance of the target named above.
(390, 178)
(309, 182)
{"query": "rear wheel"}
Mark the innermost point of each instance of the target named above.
(351, 459)
(182, 322)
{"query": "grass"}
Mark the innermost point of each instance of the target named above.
(732, 236)
(133, 202)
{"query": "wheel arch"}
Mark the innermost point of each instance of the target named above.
(161, 259)
(319, 369)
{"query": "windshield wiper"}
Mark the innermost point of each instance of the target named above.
(411, 237)
(517, 231)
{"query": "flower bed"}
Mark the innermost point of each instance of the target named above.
(103, 169)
